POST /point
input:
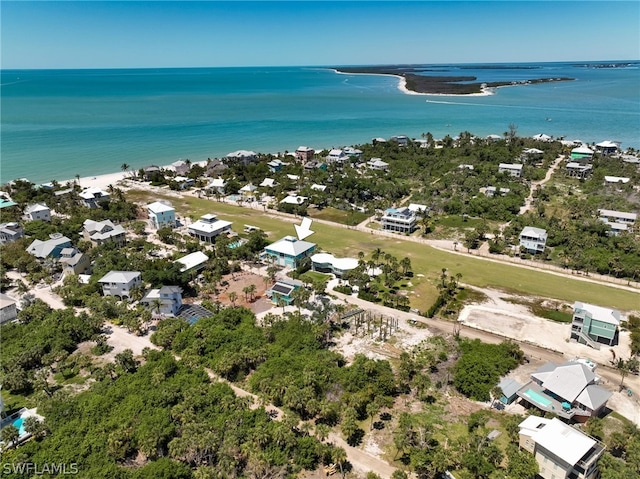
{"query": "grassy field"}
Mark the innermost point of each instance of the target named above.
(427, 262)
(350, 218)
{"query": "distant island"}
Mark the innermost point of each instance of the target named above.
(441, 85)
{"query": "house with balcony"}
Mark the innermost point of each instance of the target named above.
(288, 251)
(513, 169)
(401, 220)
(94, 197)
(208, 227)
(74, 262)
(216, 186)
(193, 262)
(578, 170)
(243, 156)
(161, 215)
(165, 301)
(120, 283)
(377, 164)
(10, 232)
(401, 140)
(533, 240)
(607, 147)
(337, 156)
(38, 211)
(569, 390)
(327, 263)
(618, 221)
(582, 154)
(595, 325)
(353, 152)
(560, 450)
(99, 232)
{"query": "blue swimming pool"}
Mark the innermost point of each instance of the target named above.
(19, 424)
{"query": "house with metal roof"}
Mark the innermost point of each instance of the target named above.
(283, 290)
(402, 220)
(99, 232)
(618, 221)
(74, 262)
(578, 170)
(8, 309)
(594, 325)
(216, 185)
(293, 199)
(161, 214)
(165, 301)
(120, 283)
(533, 240)
(50, 248)
(582, 154)
(337, 156)
(93, 197)
(208, 227)
(514, 169)
(10, 232)
(289, 251)
(607, 147)
(377, 164)
(268, 183)
(568, 390)
(509, 388)
(560, 450)
(244, 156)
(193, 262)
(38, 211)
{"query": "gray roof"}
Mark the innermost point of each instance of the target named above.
(290, 246)
(544, 371)
(604, 315)
(42, 249)
(594, 397)
(509, 387)
(120, 277)
(568, 380)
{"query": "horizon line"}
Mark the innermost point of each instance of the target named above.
(332, 66)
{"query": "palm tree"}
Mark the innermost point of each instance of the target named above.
(156, 305)
(233, 296)
(252, 291)
(124, 167)
(340, 456)
(10, 435)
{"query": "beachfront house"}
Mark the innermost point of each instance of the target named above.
(38, 211)
(533, 240)
(208, 227)
(276, 165)
(120, 283)
(165, 301)
(327, 263)
(94, 197)
(542, 137)
(607, 147)
(401, 140)
(288, 251)
(594, 325)
(560, 450)
(513, 169)
(243, 156)
(161, 215)
(10, 232)
(578, 170)
(401, 220)
(569, 390)
(8, 309)
(51, 248)
(99, 232)
(304, 154)
(193, 262)
(183, 182)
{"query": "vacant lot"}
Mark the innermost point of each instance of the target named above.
(425, 260)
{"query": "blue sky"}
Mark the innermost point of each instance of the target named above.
(93, 34)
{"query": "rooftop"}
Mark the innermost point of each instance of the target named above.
(290, 246)
(605, 315)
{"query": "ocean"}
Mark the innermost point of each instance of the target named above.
(56, 124)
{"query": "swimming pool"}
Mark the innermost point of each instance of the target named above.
(19, 425)
(538, 398)
(236, 244)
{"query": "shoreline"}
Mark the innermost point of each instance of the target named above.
(402, 86)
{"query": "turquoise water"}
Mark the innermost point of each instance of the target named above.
(59, 123)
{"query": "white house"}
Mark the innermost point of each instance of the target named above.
(377, 164)
(10, 232)
(618, 221)
(402, 220)
(317, 187)
(491, 191)
(607, 147)
(327, 263)
(99, 232)
(293, 199)
(8, 309)
(560, 450)
(120, 283)
(268, 183)
(165, 301)
(208, 227)
(533, 239)
(514, 169)
(161, 215)
(245, 156)
(542, 137)
(38, 211)
(614, 180)
(193, 262)
(184, 182)
(93, 197)
(337, 156)
(216, 185)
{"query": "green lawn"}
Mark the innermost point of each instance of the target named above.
(351, 218)
(426, 261)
